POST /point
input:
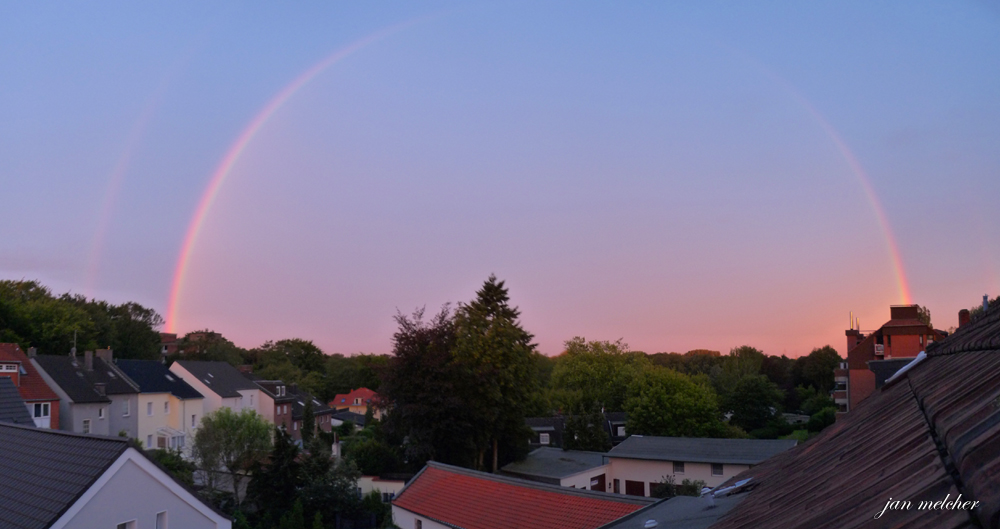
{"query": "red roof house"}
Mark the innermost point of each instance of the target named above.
(42, 402)
(357, 400)
(448, 496)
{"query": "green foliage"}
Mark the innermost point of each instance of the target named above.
(372, 456)
(822, 419)
(174, 462)
(231, 442)
(372, 503)
(774, 429)
(977, 312)
(491, 345)
(308, 422)
(275, 482)
(924, 315)
(667, 403)
(318, 521)
(667, 488)
(240, 520)
(585, 431)
(598, 372)
(32, 317)
(209, 346)
(813, 400)
(330, 487)
(753, 401)
(295, 518)
(818, 367)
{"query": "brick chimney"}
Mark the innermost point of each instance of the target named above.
(963, 317)
(854, 337)
(88, 360)
(104, 354)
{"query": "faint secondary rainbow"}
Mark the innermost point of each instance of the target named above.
(237, 148)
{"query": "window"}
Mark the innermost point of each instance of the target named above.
(149, 441)
(8, 367)
(621, 431)
(126, 408)
(41, 410)
(251, 399)
(166, 408)
(357, 402)
(618, 486)
(100, 413)
(126, 525)
(388, 496)
(161, 442)
(417, 524)
(193, 420)
(543, 438)
(295, 426)
(716, 469)
(161, 520)
(149, 409)
(86, 426)
(678, 467)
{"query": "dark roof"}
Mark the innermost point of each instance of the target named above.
(271, 388)
(221, 377)
(680, 512)
(45, 471)
(12, 408)
(932, 432)
(154, 377)
(299, 404)
(700, 450)
(884, 369)
(78, 382)
(32, 386)
(554, 463)
(355, 418)
(464, 498)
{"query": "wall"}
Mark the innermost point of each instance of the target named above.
(117, 419)
(149, 424)
(370, 483)
(116, 501)
(212, 399)
(405, 519)
(654, 471)
(90, 411)
(582, 480)
(860, 386)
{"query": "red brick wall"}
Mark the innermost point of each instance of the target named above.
(862, 384)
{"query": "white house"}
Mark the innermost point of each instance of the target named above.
(223, 386)
(62, 480)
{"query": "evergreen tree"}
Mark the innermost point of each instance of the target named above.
(308, 422)
(274, 485)
(491, 345)
(318, 521)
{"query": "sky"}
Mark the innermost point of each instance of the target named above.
(678, 175)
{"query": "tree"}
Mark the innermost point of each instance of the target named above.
(599, 372)
(275, 483)
(818, 368)
(425, 390)
(667, 403)
(233, 442)
(585, 431)
(174, 462)
(491, 345)
(207, 345)
(308, 422)
(924, 315)
(753, 402)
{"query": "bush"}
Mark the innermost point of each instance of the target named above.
(666, 488)
(822, 419)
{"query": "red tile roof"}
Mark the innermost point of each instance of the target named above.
(33, 387)
(476, 500)
(367, 396)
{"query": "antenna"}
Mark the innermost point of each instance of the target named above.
(73, 350)
(850, 320)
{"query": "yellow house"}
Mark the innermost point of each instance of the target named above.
(169, 409)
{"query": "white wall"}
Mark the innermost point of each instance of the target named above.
(212, 399)
(405, 519)
(582, 480)
(134, 489)
(370, 483)
(649, 471)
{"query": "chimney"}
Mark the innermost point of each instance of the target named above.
(986, 303)
(88, 360)
(101, 388)
(32, 352)
(963, 317)
(104, 354)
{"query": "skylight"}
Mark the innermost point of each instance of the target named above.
(170, 378)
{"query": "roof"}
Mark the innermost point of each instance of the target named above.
(884, 369)
(78, 382)
(299, 404)
(221, 377)
(935, 431)
(32, 387)
(12, 408)
(154, 377)
(700, 450)
(347, 399)
(458, 497)
(355, 418)
(271, 388)
(45, 471)
(555, 463)
(680, 512)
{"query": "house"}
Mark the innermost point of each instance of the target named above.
(549, 431)
(680, 512)
(277, 393)
(58, 480)
(444, 496)
(322, 415)
(902, 337)
(642, 461)
(94, 395)
(223, 386)
(930, 434)
(42, 402)
(340, 417)
(386, 486)
(169, 409)
(12, 408)
(357, 401)
(566, 468)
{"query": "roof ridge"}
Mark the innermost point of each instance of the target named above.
(65, 433)
(558, 489)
